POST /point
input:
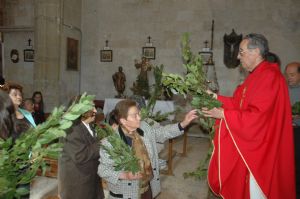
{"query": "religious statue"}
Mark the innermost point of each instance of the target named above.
(141, 85)
(119, 79)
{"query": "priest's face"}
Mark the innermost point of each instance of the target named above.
(248, 57)
(132, 122)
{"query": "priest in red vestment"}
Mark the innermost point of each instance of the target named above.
(253, 153)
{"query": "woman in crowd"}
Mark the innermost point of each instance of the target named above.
(142, 138)
(77, 170)
(24, 119)
(7, 110)
(39, 115)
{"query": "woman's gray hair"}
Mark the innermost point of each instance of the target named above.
(258, 41)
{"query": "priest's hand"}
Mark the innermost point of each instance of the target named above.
(130, 176)
(217, 113)
(190, 116)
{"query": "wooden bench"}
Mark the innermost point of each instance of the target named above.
(172, 153)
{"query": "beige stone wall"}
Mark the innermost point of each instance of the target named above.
(71, 27)
(17, 28)
(128, 23)
(48, 24)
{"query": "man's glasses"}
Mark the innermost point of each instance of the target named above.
(242, 52)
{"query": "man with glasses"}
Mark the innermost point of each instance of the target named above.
(253, 146)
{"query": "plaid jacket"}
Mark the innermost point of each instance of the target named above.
(128, 189)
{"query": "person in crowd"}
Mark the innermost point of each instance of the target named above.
(112, 120)
(2, 82)
(292, 72)
(28, 105)
(142, 138)
(77, 170)
(253, 153)
(24, 119)
(7, 111)
(39, 115)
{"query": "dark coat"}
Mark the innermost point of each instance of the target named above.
(77, 171)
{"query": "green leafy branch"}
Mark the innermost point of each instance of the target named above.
(20, 160)
(104, 131)
(122, 155)
(296, 108)
(147, 112)
(193, 84)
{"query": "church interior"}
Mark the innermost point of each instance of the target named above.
(67, 47)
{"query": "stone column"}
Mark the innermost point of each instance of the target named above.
(47, 36)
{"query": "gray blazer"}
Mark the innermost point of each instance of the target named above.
(129, 188)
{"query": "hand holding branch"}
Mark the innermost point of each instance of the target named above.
(190, 116)
(217, 113)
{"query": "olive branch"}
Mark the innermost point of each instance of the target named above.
(20, 160)
(194, 84)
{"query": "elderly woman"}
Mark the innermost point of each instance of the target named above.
(77, 170)
(142, 138)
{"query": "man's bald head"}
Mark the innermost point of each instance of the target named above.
(292, 72)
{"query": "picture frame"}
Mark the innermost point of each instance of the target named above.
(28, 55)
(72, 54)
(149, 52)
(206, 57)
(106, 55)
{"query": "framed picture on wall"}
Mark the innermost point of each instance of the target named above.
(106, 55)
(149, 52)
(206, 57)
(28, 55)
(72, 53)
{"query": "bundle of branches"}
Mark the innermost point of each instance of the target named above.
(103, 131)
(20, 160)
(193, 84)
(147, 112)
(121, 154)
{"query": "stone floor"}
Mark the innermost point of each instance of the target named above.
(173, 187)
(176, 187)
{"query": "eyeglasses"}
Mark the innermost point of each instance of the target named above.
(242, 52)
(135, 115)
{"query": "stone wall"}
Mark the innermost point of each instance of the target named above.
(127, 24)
(48, 24)
(17, 28)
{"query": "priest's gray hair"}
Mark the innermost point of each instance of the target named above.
(258, 41)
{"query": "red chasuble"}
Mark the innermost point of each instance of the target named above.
(256, 137)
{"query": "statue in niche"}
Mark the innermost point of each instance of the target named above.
(141, 85)
(231, 49)
(119, 79)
